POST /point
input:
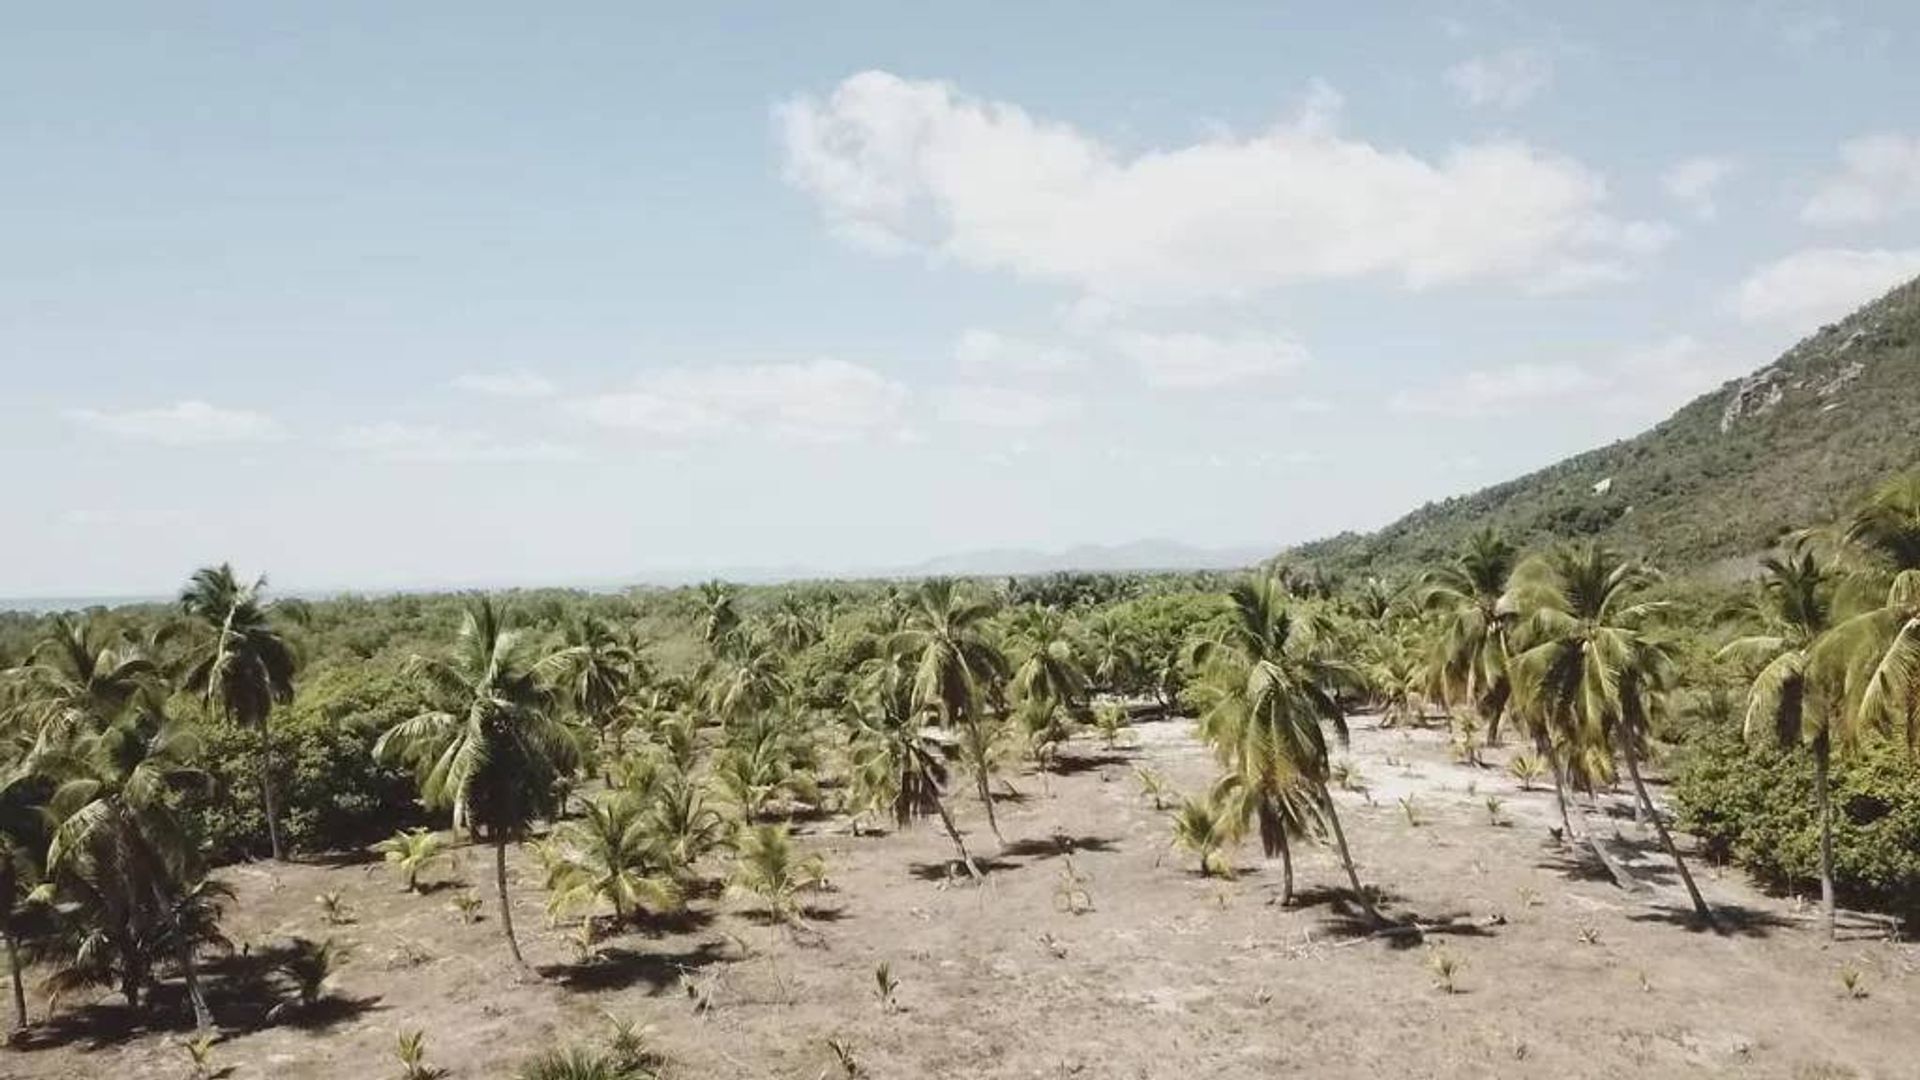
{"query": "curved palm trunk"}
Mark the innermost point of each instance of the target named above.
(1822, 751)
(202, 1016)
(1545, 750)
(1286, 870)
(1700, 907)
(506, 904)
(953, 833)
(19, 988)
(1346, 857)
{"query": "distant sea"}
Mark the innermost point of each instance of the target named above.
(41, 605)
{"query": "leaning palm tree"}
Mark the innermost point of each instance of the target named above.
(246, 666)
(1790, 698)
(494, 749)
(1266, 686)
(898, 762)
(958, 672)
(1592, 671)
(119, 861)
(1469, 650)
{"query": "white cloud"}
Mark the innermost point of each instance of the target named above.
(1497, 390)
(1693, 183)
(1879, 178)
(1504, 80)
(505, 384)
(816, 401)
(984, 352)
(1819, 285)
(185, 423)
(1001, 406)
(427, 443)
(1643, 383)
(1192, 361)
(901, 165)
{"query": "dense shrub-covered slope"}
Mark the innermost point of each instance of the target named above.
(1721, 479)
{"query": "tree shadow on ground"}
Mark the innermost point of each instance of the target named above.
(1729, 919)
(1401, 930)
(1647, 862)
(1036, 848)
(1075, 764)
(944, 869)
(618, 968)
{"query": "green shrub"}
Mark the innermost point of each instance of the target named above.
(1753, 804)
(332, 793)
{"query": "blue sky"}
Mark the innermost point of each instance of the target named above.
(392, 295)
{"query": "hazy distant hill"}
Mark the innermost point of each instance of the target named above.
(1138, 555)
(1792, 444)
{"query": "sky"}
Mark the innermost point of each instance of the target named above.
(366, 295)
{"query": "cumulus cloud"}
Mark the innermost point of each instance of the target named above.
(184, 423)
(986, 405)
(1642, 383)
(1879, 178)
(984, 352)
(1505, 80)
(905, 165)
(1819, 285)
(428, 443)
(1694, 182)
(505, 384)
(822, 400)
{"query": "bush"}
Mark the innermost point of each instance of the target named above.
(1753, 804)
(332, 793)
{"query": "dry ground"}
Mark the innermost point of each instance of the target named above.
(1561, 974)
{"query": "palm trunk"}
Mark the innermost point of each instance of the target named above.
(1346, 856)
(1700, 907)
(1560, 792)
(269, 796)
(19, 988)
(953, 833)
(981, 780)
(202, 1016)
(1286, 869)
(1822, 751)
(506, 904)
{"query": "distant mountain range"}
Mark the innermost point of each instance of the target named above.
(1719, 482)
(1092, 558)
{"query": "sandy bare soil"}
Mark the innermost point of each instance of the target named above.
(1561, 974)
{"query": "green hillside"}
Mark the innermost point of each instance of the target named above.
(1719, 480)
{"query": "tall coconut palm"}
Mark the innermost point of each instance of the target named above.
(1047, 665)
(958, 671)
(1470, 647)
(1592, 670)
(1791, 699)
(245, 665)
(493, 749)
(719, 616)
(598, 666)
(897, 761)
(1265, 690)
(119, 856)
(23, 853)
(1112, 653)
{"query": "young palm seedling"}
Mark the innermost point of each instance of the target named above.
(1588, 934)
(1410, 810)
(1204, 829)
(1527, 769)
(1445, 966)
(885, 986)
(200, 1053)
(411, 852)
(1853, 982)
(468, 905)
(1153, 786)
(1494, 803)
(1071, 894)
(334, 909)
(309, 967)
(843, 1058)
(412, 1052)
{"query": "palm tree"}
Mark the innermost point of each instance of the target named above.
(599, 667)
(766, 867)
(1591, 669)
(1113, 657)
(611, 853)
(958, 672)
(1875, 654)
(1470, 648)
(1266, 687)
(247, 667)
(119, 857)
(79, 676)
(897, 761)
(1789, 698)
(792, 624)
(1206, 828)
(749, 679)
(411, 852)
(1047, 659)
(23, 850)
(493, 750)
(719, 617)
